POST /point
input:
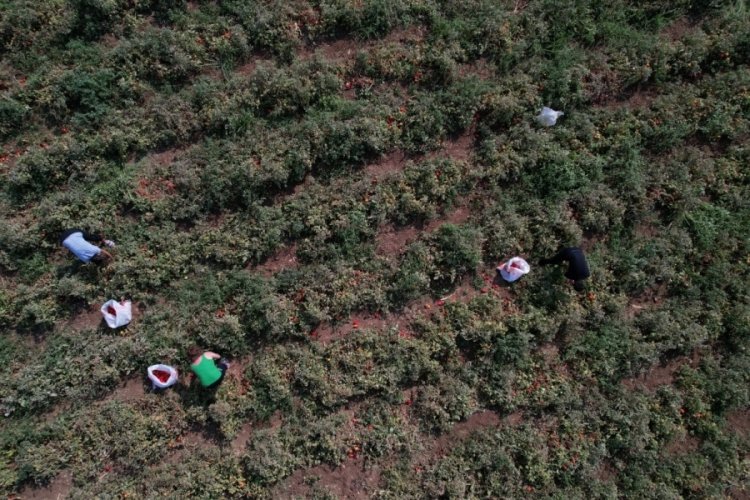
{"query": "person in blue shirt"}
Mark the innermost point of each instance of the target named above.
(79, 243)
(578, 268)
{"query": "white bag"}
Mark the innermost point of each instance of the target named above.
(117, 314)
(548, 116)
(513, 269)
(172, 380)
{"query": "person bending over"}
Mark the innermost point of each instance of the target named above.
(208, 366)
(79, 243)
(578, 268)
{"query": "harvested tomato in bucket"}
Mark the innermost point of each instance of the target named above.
(117, 314)
(161, 375)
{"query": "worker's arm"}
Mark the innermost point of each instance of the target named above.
(556, 259)
(211, 355)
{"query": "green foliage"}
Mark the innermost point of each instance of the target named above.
(320, 191)
(12, 117)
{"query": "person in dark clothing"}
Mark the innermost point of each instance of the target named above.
(78, 242)
(578, 268)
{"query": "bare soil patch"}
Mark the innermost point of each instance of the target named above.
(739, 422)
(335, 51)
(283, 259)
(461, 430)
(649, 299)
(638, 99)
(237, 367)
(247, 69)
(483, 419)
(739, 492)
(458, 149)
(480, 68)
(91, 317)
(678, 29)
(240, 440)
(183, 444)
(682, 445)
(660, 375)
(132, 390)
(353, 479)
(163, 158)
(410, 34)
(327, 332)
(57, 489)
(9, 156)
(606, 471)
(392, 241)
(458, 216)
(550, 352)
(389, 164)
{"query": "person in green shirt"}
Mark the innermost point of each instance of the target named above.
(208, 367)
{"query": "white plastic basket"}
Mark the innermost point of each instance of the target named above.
(117, 314)
(513, 269)
(172, 380)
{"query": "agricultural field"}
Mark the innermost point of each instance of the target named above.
(320, 191)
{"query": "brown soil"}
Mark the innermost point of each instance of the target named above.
(387, 165)
(479, 68)
(283, 259)
(10, 155)
(88, 318)
(660, 375)
(132, 390)
(741, 492)
(335, 51)
(640, 99)
(57, 489)
(327, 332)
(247, 69)
(183, 444)
(647, 231)
(154, 189)
(514, 418)
(461, 430)
(411, 34)
(651, 298)
(606, 472)
(480, 420)
(351, 480)
(550, 352)
(393, 241)
(216, 220)
(739, 422)
(240, 440)
(345, 49)
(237, 367)
(682, 445)
(163, 158)
(458, 216)
(461, 148)
(678, 29)
(354, 479)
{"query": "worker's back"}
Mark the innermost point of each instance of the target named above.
(578, 267)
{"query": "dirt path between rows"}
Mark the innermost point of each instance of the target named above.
(57, 489)
(358, 479)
